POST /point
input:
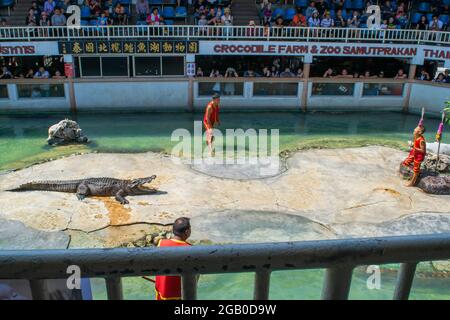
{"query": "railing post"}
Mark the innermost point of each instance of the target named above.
(337, 283)
(114, 288)
(404, 281)
(189, 286)
(39, 290)
(262, 285)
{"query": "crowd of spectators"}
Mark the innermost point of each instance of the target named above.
(32, 73)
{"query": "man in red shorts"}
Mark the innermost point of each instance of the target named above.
(417, 154)
(210, 120)
(169, 287)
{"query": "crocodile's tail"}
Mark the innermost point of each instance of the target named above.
(57, 186)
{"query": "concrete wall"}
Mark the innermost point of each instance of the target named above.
(164, 95)
(429, 96)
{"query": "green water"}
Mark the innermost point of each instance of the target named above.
(22, 142)
(22, 137)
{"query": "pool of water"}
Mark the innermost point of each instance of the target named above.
(22, 137)
(22, 142)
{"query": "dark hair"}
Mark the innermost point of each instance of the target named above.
(422, 127)
(180, 226)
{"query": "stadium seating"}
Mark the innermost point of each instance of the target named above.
(7, 4)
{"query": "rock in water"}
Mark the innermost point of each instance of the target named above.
(65, 132)
(435, 185)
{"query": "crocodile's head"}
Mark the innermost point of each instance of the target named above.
(137, 187)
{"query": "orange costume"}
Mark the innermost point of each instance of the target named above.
(169, 287)
(210, 121)
(416, 156)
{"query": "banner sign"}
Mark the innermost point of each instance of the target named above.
(128, 47)
(322, 49)
(38, 48)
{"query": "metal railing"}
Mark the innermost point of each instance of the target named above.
(339, 257)
(188, 32)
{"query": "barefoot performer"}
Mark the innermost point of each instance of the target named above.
(417, 153)
(169, 287)
(210, 120)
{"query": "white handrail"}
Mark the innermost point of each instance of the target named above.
(225, 33)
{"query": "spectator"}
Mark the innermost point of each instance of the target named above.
(310, 10)
(367, 75)
(42, 74)
(108, 5)
(3, 22)
(381, 74)
(64, 5)
(227, 21)
(384, 25)
(447, 75)
(267, 15)
(436, 24)
(327, 21)
(424, 76)
(44, 21)
(215, 73)
(391, 23)
(58, 75)
(199, 72)
(356, 75)
(274, 72)
(102, 21)
(400, 75)
(266, 6)
(58, 19)
(249, 73)
(287, 73)
(31, 19)
(423, 23)
(30, 74)
(120, 16)
(49, 7)
(36, 11)
(354, 20)
(387, 10)
(340, 20)
(279, 23)
(251, 30)
(440, 78)
(328, 73)
(344, 74)
(299, 20)
(300, 73)
(229, 88)
(322, 7)
(95, 7)
(314, 20)
(6, 74)
(266, 72)
(142, 9)
(202, 22)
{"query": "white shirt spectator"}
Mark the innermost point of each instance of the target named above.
(327, 22)
(313, 22)
(436, 24)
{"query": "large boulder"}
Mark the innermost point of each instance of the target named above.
(65, 132)
(431, 163)
(444, 149)
(435, 185)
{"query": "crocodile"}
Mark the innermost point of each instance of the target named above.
(94, 187)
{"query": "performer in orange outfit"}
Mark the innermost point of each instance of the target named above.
(417, 154)
(169, 287)
(210, 120)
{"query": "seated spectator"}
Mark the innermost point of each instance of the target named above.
(387, 10)
(447, 75)
(6, 74)
(266, 72)
(340, 20)
(120, 16)
(249, 73)
(29, 74)
(356, 75)
(274, 72)
(384, 25)
(436, 24)
(31, 20)
(381, 74)
(299, 20)
(287, 73)
(327, 21)
(215, 74)
(440, 78)
(310, 10)
(251, 30)
(231, 73)
(354, 20)
(314, 20)
(423, 23)
(400, 75)
(279, 22)
(142, 9)
(95, 7)
(58, 75)
(400, 11)
(199, 72)
(300, 73)
(41, 74)
(344, 74)
(44, 21)
(102, 20)
(391, 23)
(58, 19)
(322, 7)
(202, 22)
(424, 76)
(49, 7)
(367, 75)
(227, 20)
(328, 73)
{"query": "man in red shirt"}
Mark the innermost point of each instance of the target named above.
(210, 120)
(417, 154)
(169, 287)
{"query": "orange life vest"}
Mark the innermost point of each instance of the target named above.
(169, 287)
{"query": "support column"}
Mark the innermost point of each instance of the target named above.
(306, 72)
(408, 85)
